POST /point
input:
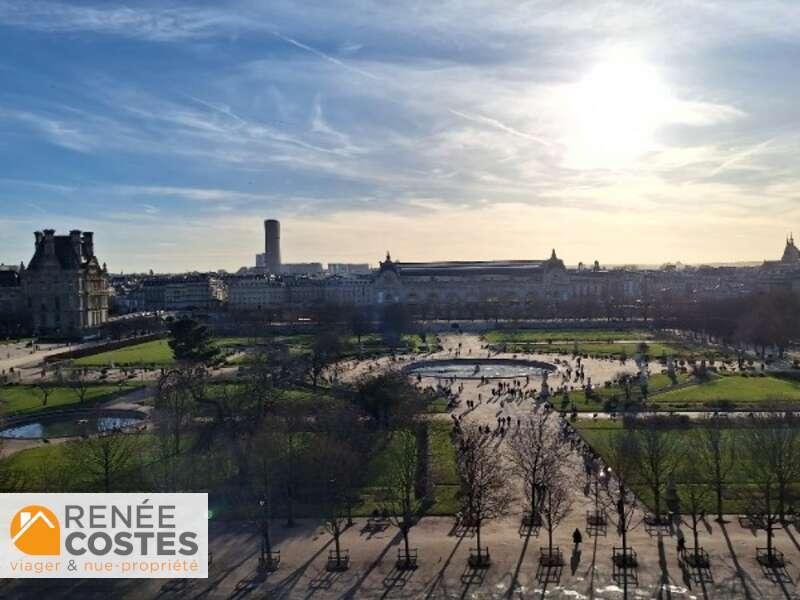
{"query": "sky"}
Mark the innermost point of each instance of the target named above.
(624, 132)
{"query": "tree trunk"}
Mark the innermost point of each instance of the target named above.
(657, 501)
(405, 542)
(719, 502)
(478, 538)
(289, 506)
(336, 542)
(624, 529)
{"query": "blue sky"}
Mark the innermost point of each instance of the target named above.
(619, 131)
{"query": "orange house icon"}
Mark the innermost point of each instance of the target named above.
(35, 531)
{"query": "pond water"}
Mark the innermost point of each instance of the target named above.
(68, 426)
(493, 369)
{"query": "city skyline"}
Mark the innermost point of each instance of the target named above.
(469, 133)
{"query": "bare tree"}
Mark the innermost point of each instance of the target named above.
(535, 451)
(45, 388)
(484, 493)
(620, 501)
(761, 497)
(79, 383)
(778, 438)
(174, 405)
(657, 449)
(108, 460)
(556, 505)
(713, 449)
(401, 502)
(771, 445)
(327, 347)
(694, 496)
(266, 468)
(335, 462)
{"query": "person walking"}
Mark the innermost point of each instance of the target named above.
(577, 538)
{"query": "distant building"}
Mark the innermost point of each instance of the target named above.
(311, 268)
(348, 269)
(65, 288)
(11, 298)
(272, 246)
(193, 291)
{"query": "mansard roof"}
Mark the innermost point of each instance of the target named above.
(65, 253)
(465, 268)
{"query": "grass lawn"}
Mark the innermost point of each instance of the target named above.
(747, 393)
(597, 342)
(443, 469)
(18, 399)
(562, 335)
(598, 434)
(156, 352)
(628, 349)
(656, 383)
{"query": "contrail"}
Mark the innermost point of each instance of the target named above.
(324, 56)
(741, 155)
(501, 126)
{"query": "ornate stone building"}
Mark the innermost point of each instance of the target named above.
(64, 288)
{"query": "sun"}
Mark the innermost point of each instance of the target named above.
(614, 112)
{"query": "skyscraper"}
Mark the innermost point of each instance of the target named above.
(272, 246)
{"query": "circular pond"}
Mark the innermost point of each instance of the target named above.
(475, 369)
(71, 425)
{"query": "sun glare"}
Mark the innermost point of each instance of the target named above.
(614, 112)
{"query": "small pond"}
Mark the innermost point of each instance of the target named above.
(70, 425)
(475, 369)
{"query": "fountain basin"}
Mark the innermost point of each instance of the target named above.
(491, 368)
(65, 424)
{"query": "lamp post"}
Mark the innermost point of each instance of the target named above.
(266, 542)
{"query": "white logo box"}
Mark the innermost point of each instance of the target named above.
(113, 536)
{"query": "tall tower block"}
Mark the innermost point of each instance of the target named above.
(272, 246)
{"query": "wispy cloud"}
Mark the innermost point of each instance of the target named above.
(324, 56)
(501, 126)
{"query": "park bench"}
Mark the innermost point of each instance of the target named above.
(624, 559)
(531, 520)
(772, 560)
(406, 561)
(479, 559)
(340, 562)
(654, 524)
(377, 523)
(698, 560)
(596, 519)
(551, 559)
(270, 561)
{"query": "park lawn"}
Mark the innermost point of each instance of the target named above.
(20, 399)
(656, 383)
(562, 335)
(446, 482)
(156, 352)
(598, 432)
(617, 349)
(736, 391)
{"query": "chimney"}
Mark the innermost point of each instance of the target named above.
(49, 241)
(88, 244)
(39, 236)
(75, 241)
